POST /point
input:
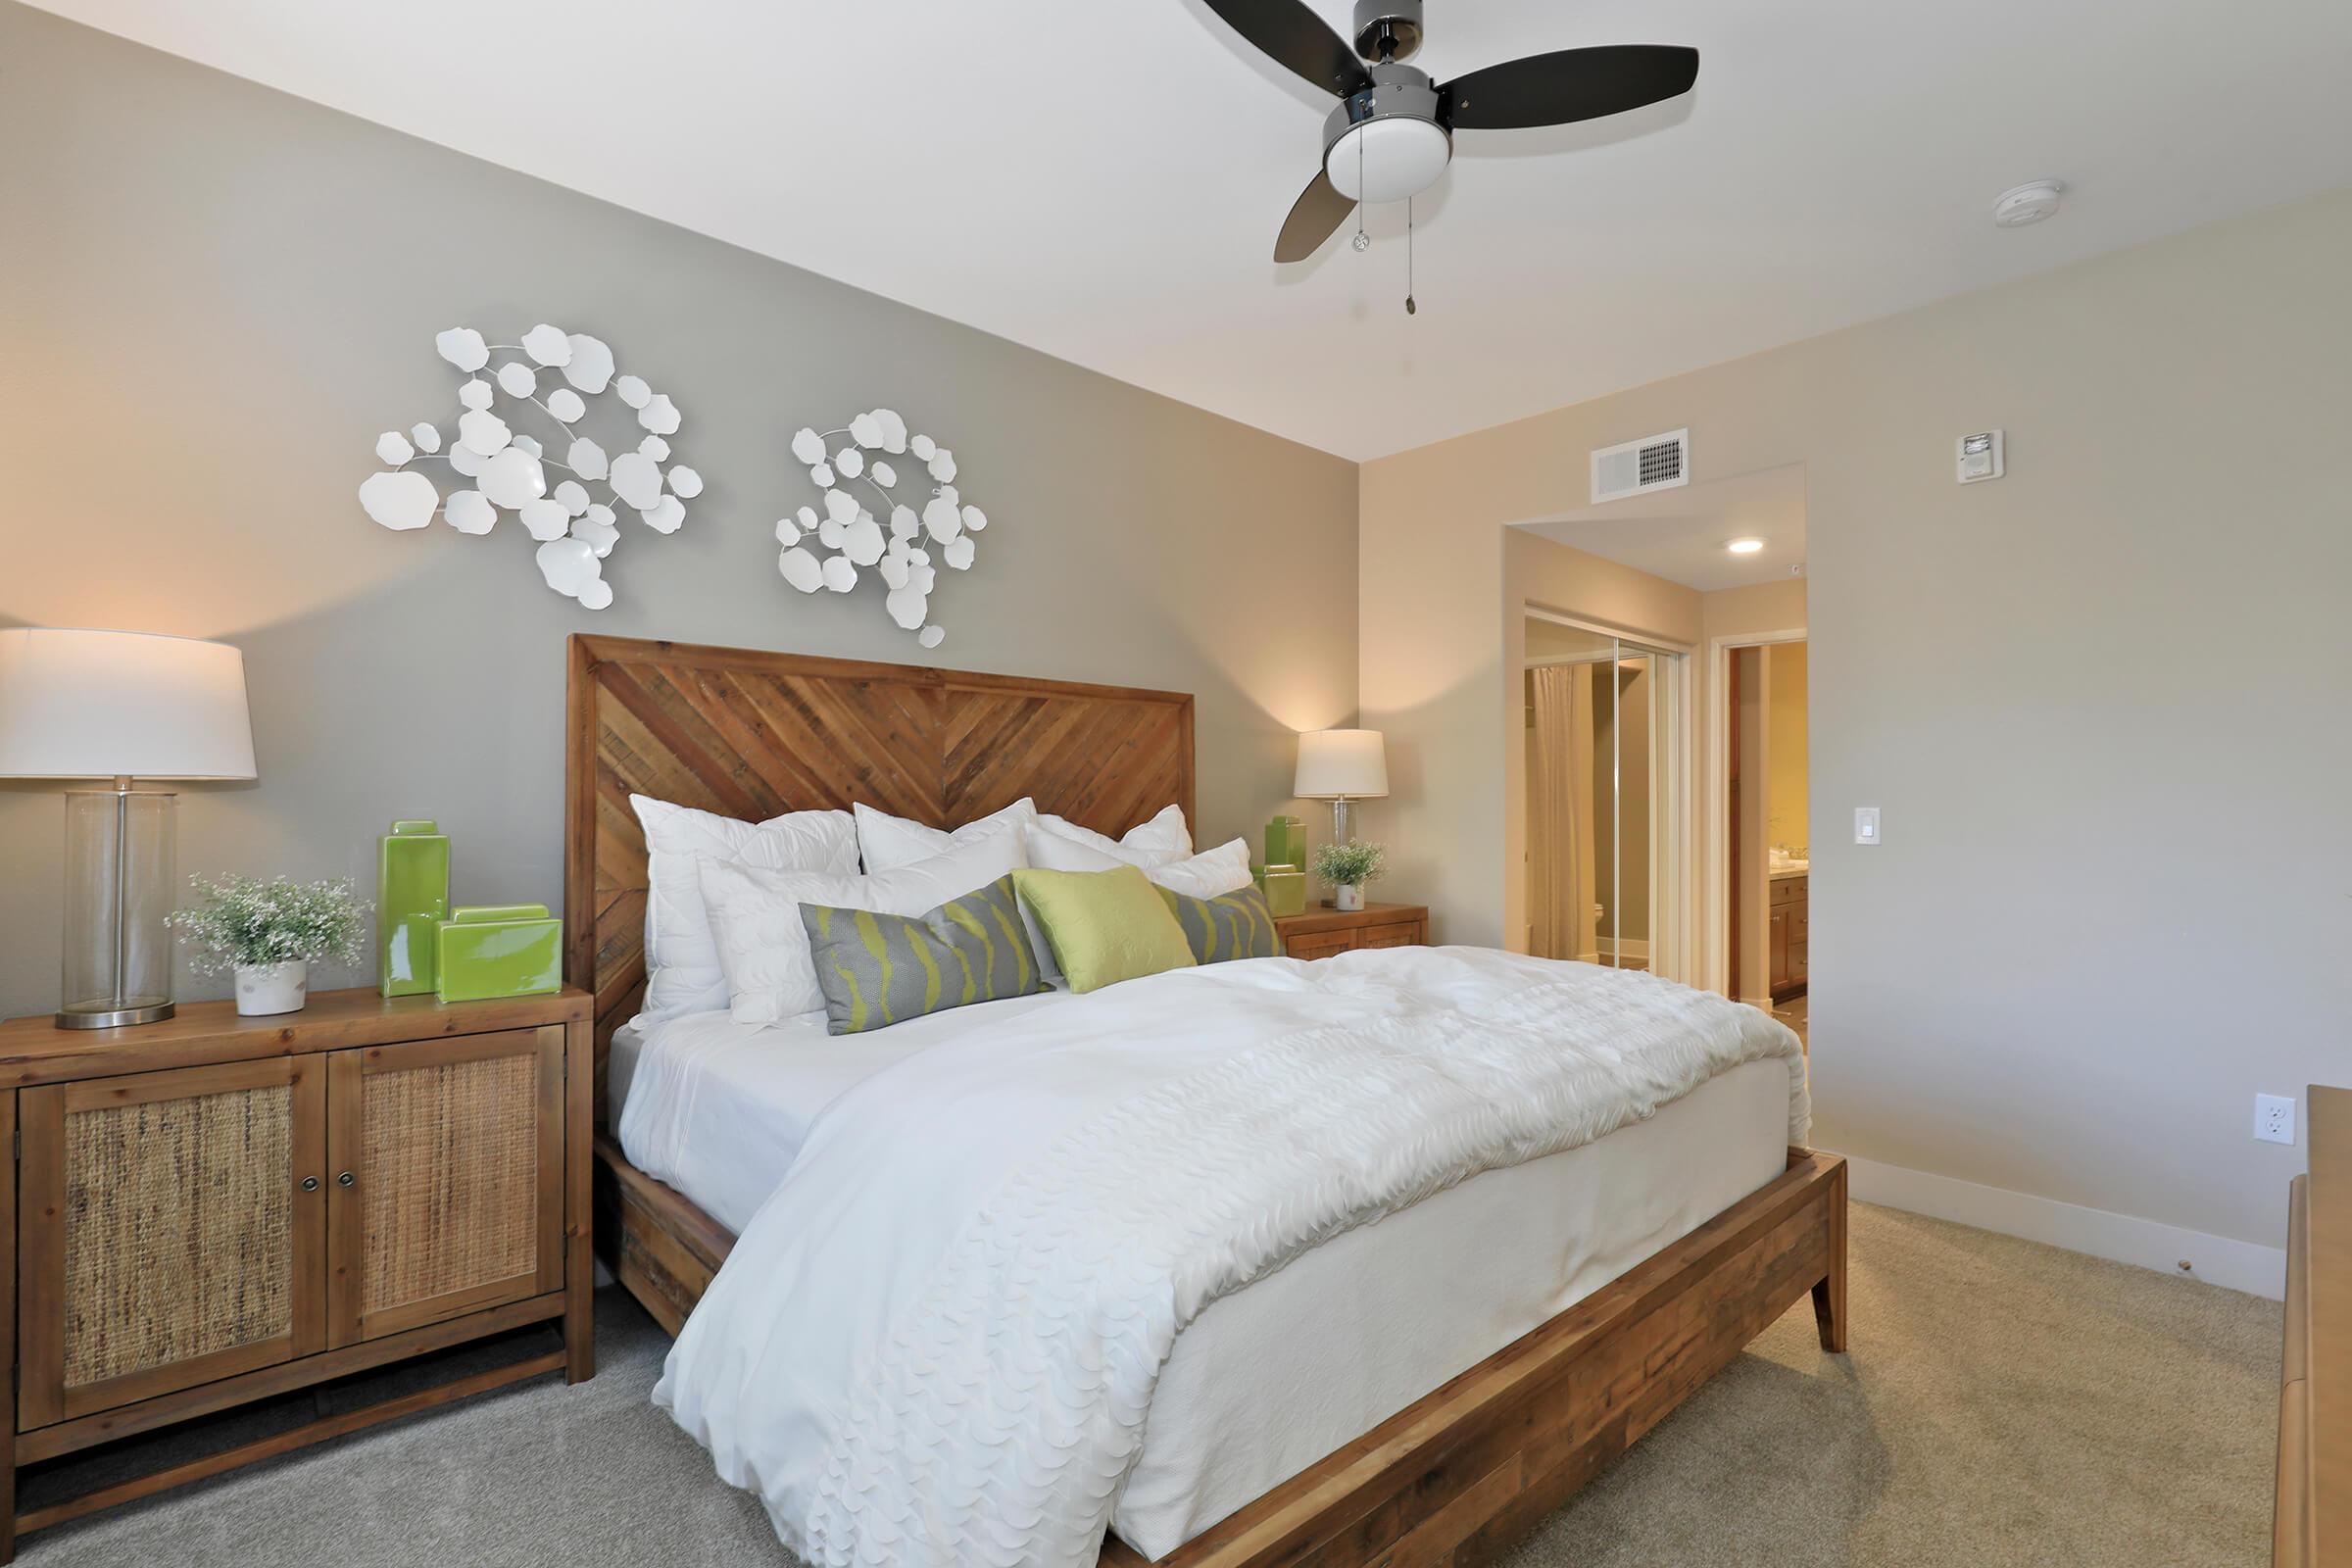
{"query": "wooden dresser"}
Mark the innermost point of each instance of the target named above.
(1320, 932)
(213, 1210)
(1790, 935)
(2314, 1520)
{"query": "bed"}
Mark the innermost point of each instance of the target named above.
(1718, 1227)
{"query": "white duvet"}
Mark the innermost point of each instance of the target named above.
(938, 1340)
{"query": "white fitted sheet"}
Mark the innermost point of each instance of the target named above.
(718, 1108)
(1272, 1378)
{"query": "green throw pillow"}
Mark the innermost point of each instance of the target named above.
(1104, 926)
(1232, 925)
(881, 969)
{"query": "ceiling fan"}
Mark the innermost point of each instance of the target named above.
(1391, 134)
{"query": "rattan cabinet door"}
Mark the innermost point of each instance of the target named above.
(447, 1188)
(167, 1237)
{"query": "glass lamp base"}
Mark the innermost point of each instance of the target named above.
(120, 875)
(111, 1014)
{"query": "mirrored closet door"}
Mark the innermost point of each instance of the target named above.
(1603, 753)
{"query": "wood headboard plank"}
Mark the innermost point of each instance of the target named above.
(752, 735)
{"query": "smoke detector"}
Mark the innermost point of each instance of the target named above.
(2030, 203)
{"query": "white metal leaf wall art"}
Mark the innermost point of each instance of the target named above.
(556, 373)
(828, 547)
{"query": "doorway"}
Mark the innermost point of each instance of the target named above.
(1767, 862)
(1605, 834)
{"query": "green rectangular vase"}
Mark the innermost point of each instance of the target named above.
(1285, 887)
(1286, 842)
(412, 900)
(499, 950)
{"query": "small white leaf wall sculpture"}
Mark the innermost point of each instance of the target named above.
(548, 378)
(865, 526)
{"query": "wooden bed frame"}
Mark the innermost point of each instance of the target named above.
(1454, 1478)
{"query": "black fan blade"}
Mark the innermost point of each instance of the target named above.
(1567, 85)
(1295, 38)
(1314, 218)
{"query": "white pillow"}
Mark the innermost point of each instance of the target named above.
(763, 946)
(886, 842)
(1158, 842)
(681, 957)
(1207, 875)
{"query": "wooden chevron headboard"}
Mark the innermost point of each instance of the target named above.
(750, 734)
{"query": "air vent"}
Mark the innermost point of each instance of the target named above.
(1634, 468)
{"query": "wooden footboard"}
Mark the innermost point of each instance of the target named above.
(1462, 1473)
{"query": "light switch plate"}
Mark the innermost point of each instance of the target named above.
(1866, 825)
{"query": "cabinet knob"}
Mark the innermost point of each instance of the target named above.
(310, 1184)
(344, 1180)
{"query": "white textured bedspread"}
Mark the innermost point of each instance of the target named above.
(937, 1341)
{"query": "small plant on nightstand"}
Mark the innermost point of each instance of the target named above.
(270, 933)
(1346, 867)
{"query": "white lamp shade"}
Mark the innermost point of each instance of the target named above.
(1342, 764)
(114, 704)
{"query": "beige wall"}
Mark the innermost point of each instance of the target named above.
(1771, 609)
(1752, 980)
(1621, 796)
(211, 298)
(1784, 822)
(2065, 971)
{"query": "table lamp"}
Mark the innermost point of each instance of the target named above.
(125, 705)
(1340, 765)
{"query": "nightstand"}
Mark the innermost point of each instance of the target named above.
(1319, 933)
(216, 1210)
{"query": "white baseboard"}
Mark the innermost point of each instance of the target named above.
(2216, 1259)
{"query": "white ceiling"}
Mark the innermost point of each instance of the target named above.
(1103, 179)
(1680, 534)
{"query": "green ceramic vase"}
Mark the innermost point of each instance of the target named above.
(500, 950)
(412, 900)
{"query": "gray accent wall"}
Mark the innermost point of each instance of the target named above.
(213, 297)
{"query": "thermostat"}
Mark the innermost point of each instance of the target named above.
(1980, 456)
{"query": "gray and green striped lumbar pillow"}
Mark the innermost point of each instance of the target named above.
(1233, 925)
(880, 969)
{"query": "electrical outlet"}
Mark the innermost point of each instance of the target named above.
(2274, 1118)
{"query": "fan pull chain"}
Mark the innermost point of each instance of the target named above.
(1362, 241)
(1410, 309)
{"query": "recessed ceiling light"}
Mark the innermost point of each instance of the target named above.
(1745, 547)
(2030, 203)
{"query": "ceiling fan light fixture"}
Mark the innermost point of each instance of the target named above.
(1388, 160)
(1390, 134)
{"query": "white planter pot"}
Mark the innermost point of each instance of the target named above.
(1348, 895)
(267, 988)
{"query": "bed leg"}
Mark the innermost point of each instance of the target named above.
(1829, 1295)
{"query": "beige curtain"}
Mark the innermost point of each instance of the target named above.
(1559, 820)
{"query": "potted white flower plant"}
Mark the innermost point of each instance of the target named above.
(1347, 867)
(270, 934)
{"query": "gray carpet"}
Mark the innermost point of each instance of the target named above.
(2005, 1403)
